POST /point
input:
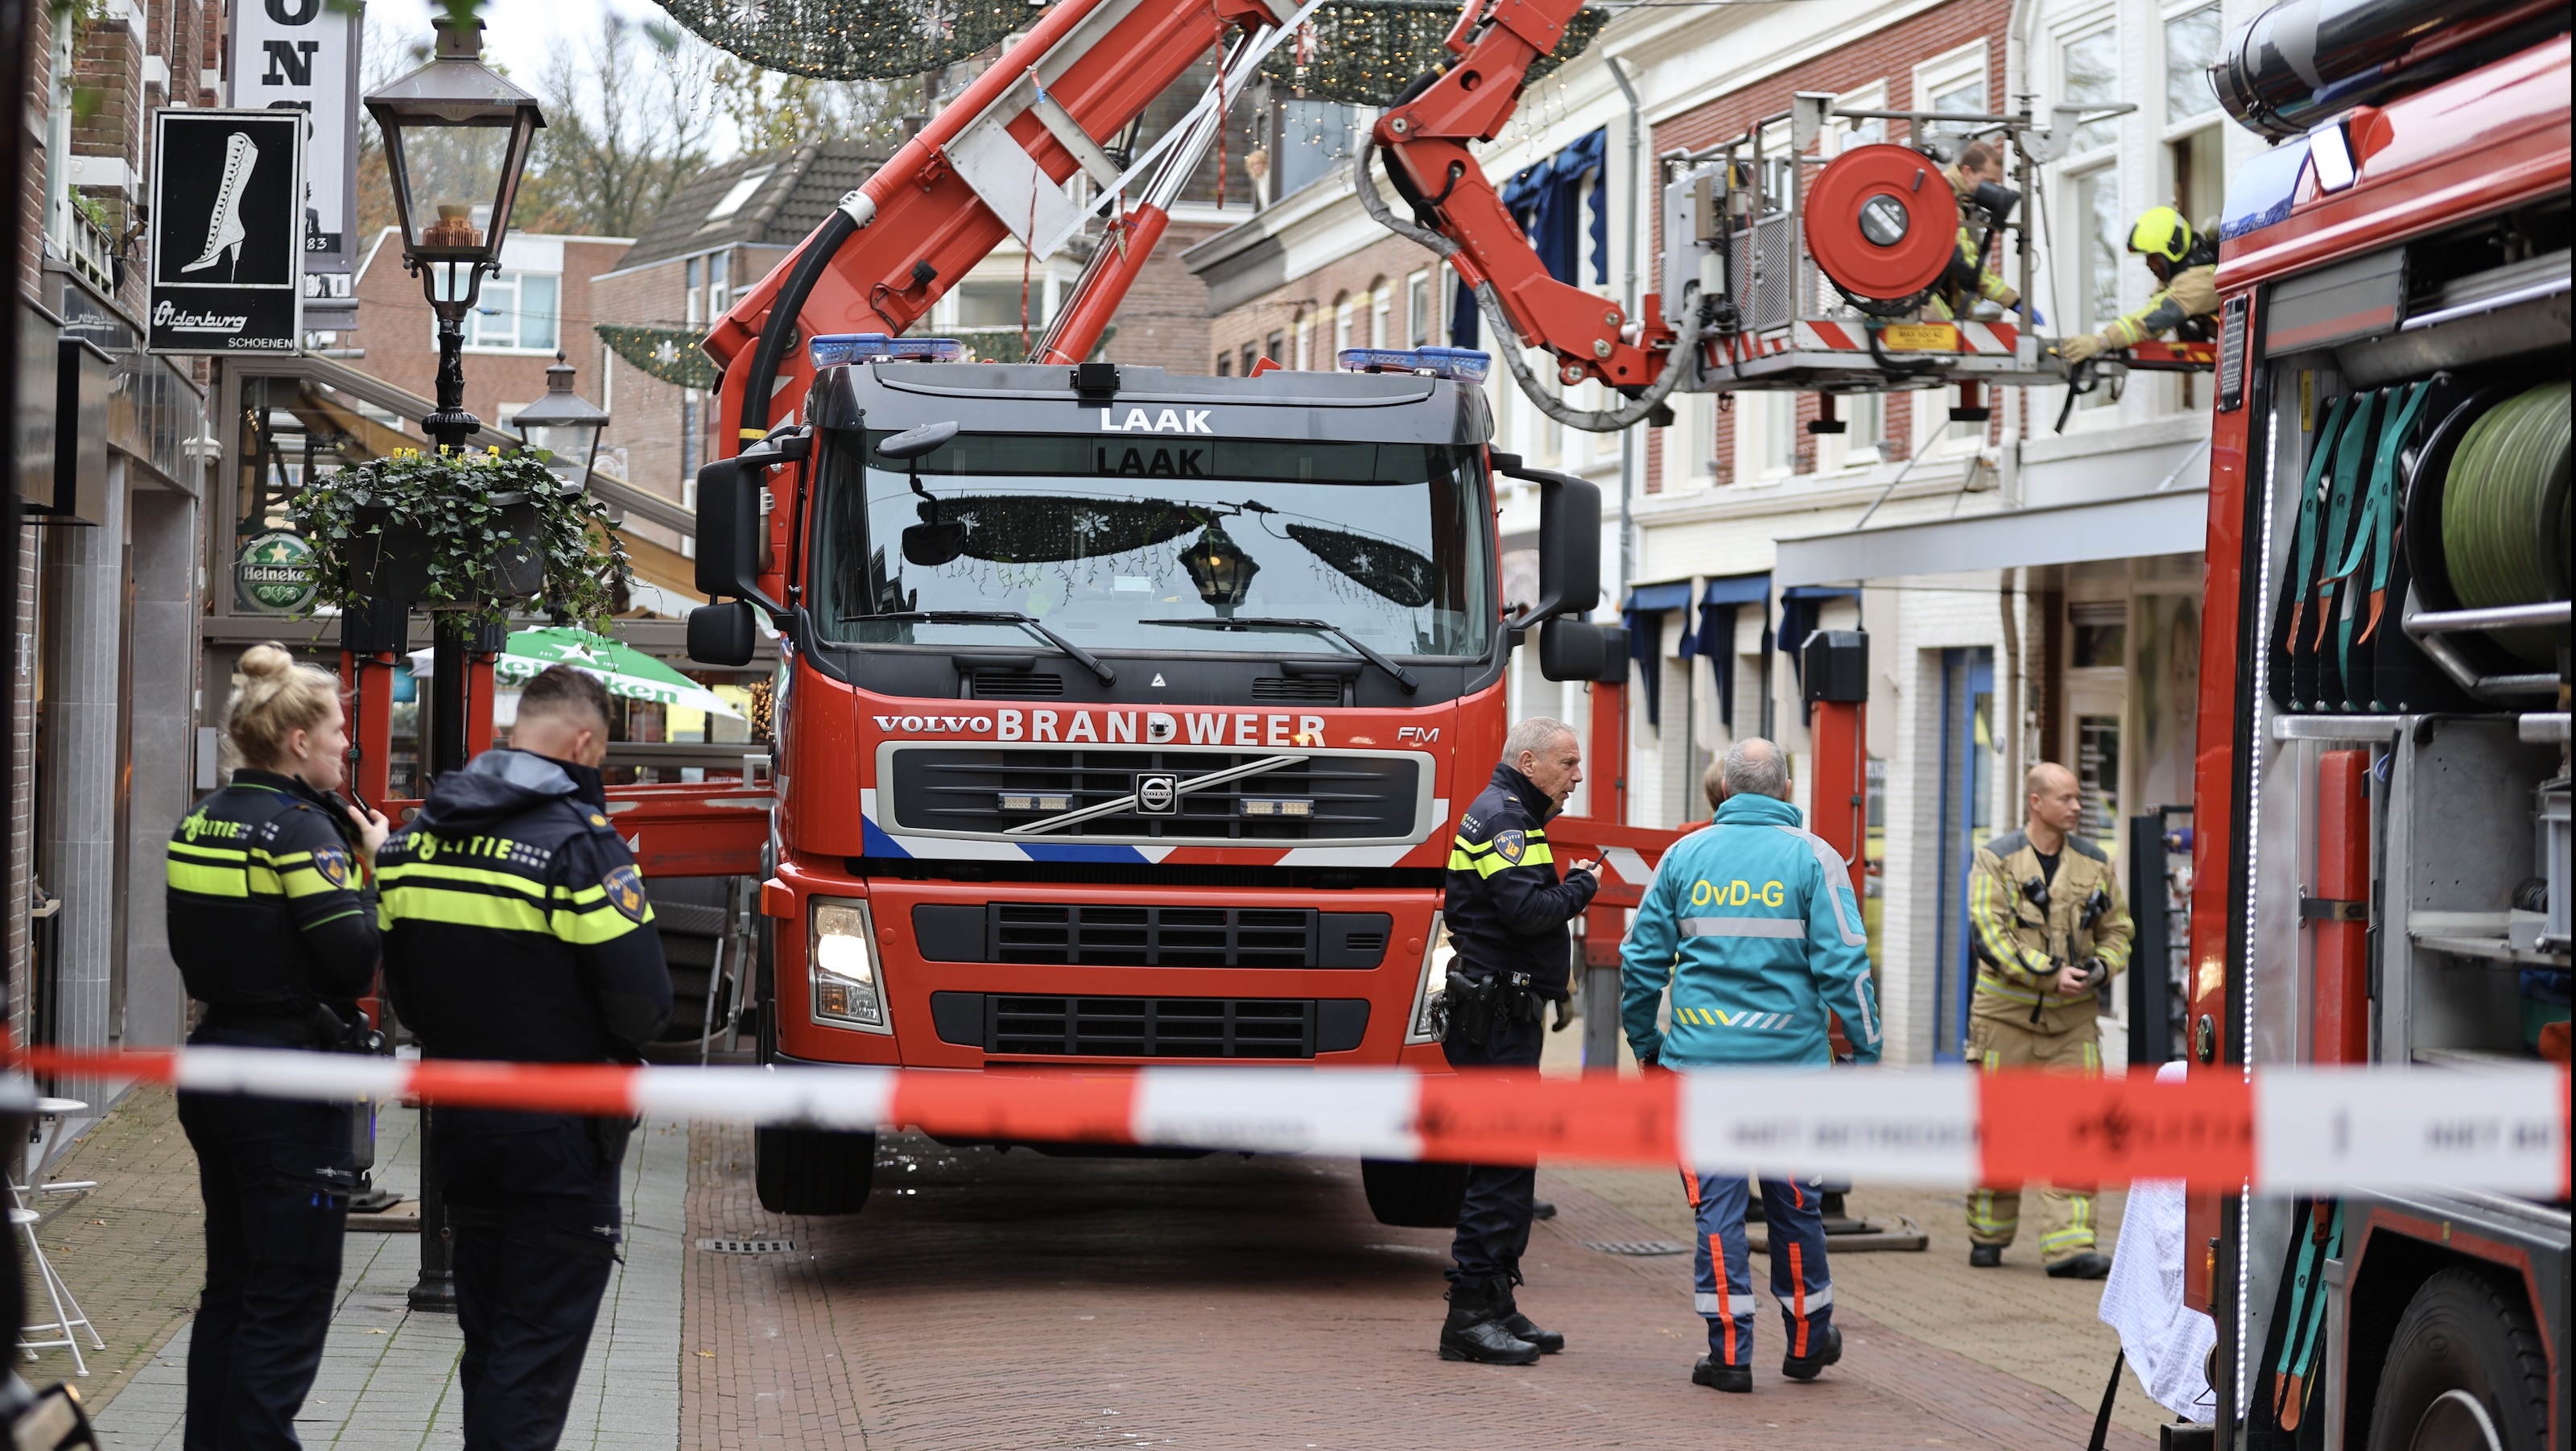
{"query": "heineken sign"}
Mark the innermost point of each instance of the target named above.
(272, 574)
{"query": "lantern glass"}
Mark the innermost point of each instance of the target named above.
(565, 425)
(452, 179)
(1220, 569)
(456, 139)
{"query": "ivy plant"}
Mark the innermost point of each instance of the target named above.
(457, 500)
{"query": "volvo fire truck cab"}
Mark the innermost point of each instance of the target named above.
(1122, 716)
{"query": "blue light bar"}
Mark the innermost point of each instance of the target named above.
(1465, 365)
(833, 349)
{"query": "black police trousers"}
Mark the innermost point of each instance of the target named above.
(1494, 1219)
(532, 1206)
(276, 1178)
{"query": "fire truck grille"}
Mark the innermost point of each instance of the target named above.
(1089, 1027)
(1149, 935)
(985, 791)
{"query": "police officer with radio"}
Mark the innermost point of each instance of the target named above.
(273, 931)
(1506, 912)
(516, 928)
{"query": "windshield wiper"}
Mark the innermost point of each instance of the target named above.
(1366, 651)
(1074, 652)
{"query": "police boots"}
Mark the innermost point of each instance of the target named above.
(1476, 1330)
(1549, 1342)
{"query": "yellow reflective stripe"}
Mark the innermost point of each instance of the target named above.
(1536, 856)
(208, 881)
(1987, 982)
(434, 871)
(459, 909)
(582, 897)
(306, 882)
(1472, 848)
(1459, 861)
(599, 924)
(232, 854)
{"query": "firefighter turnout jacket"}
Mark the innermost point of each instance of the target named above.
(1506, 911)
(2024, 924)
(1752, 921)
(516, 926)
(269, 915)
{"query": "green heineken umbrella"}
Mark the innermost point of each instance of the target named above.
(629, 673)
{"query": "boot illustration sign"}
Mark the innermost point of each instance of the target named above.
(227, 232)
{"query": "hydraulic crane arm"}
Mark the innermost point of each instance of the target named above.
(991, 165)
(1425, 136)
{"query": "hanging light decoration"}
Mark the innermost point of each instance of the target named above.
(1220, 569)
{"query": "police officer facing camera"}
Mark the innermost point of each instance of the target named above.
(273, 931)
(516, 928)
(1506, 914)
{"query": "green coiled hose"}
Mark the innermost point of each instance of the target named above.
(2504, 513)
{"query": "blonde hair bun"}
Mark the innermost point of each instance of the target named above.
(278, 696)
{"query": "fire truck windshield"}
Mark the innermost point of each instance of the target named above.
(1104, 539)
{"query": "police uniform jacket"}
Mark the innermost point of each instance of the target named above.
(2016, 941)
(1753, 923)
(269, 915)
(516, 926)
(1506, 911)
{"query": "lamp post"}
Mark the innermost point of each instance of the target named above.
(566, 426)
(456, 138)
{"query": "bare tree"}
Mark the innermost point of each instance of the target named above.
(771, 111)
(629, 117)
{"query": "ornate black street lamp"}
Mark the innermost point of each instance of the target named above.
(456, 138)
(1220, 569)
(564, 425)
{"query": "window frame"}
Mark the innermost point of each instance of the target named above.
(475, 323)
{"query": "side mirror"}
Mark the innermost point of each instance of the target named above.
(728, 562)
(1569, 542)
(1614, 655)
(1570, 650)
(722, 634)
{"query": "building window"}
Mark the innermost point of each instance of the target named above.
(2101, 243)
(691, 410)
(2191, 44)
(1417, 308)
(1341, 328)
(1766, 435)
(997, 304)
(1955, 82)
(1225, 366)
(516, 310)
(719, 289)
(1276, 349)
(2089, 74)
(1381, 314)
(737, 194)
(691, 272)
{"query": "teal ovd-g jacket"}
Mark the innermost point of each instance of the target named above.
(1756, 917)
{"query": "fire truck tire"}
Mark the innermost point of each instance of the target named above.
(1417, 1196)
(2466, 1370)
(813, 1171)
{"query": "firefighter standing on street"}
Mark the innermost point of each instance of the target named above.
(1753, 923)
(517, 929)
(2185, 263)
(270, 923)
(2050, 932)
(1506, 913)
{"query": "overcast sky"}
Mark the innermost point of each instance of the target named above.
(523, 35)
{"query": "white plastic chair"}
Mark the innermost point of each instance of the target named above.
(26, 1220)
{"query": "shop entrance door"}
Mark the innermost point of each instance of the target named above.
(1967, 820)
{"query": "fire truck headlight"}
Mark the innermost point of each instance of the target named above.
(841, 957)
(1436, 953)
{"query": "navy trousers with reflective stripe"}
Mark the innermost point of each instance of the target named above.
(1494, 1218)
(1723, 1276)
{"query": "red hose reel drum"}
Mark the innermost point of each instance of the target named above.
(1883, 223)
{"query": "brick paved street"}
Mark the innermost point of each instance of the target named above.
(989, 1300)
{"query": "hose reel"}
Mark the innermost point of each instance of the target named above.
(1883, 225)
(2486, 520)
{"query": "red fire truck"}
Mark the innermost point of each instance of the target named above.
(1123, 716)
(2382, 795)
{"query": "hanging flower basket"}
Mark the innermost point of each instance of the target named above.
(468, 532)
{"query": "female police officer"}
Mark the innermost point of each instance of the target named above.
(273, 931)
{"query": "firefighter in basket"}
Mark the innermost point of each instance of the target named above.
(2185, 263)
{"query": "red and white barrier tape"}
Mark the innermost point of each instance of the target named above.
(2288, 1130)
